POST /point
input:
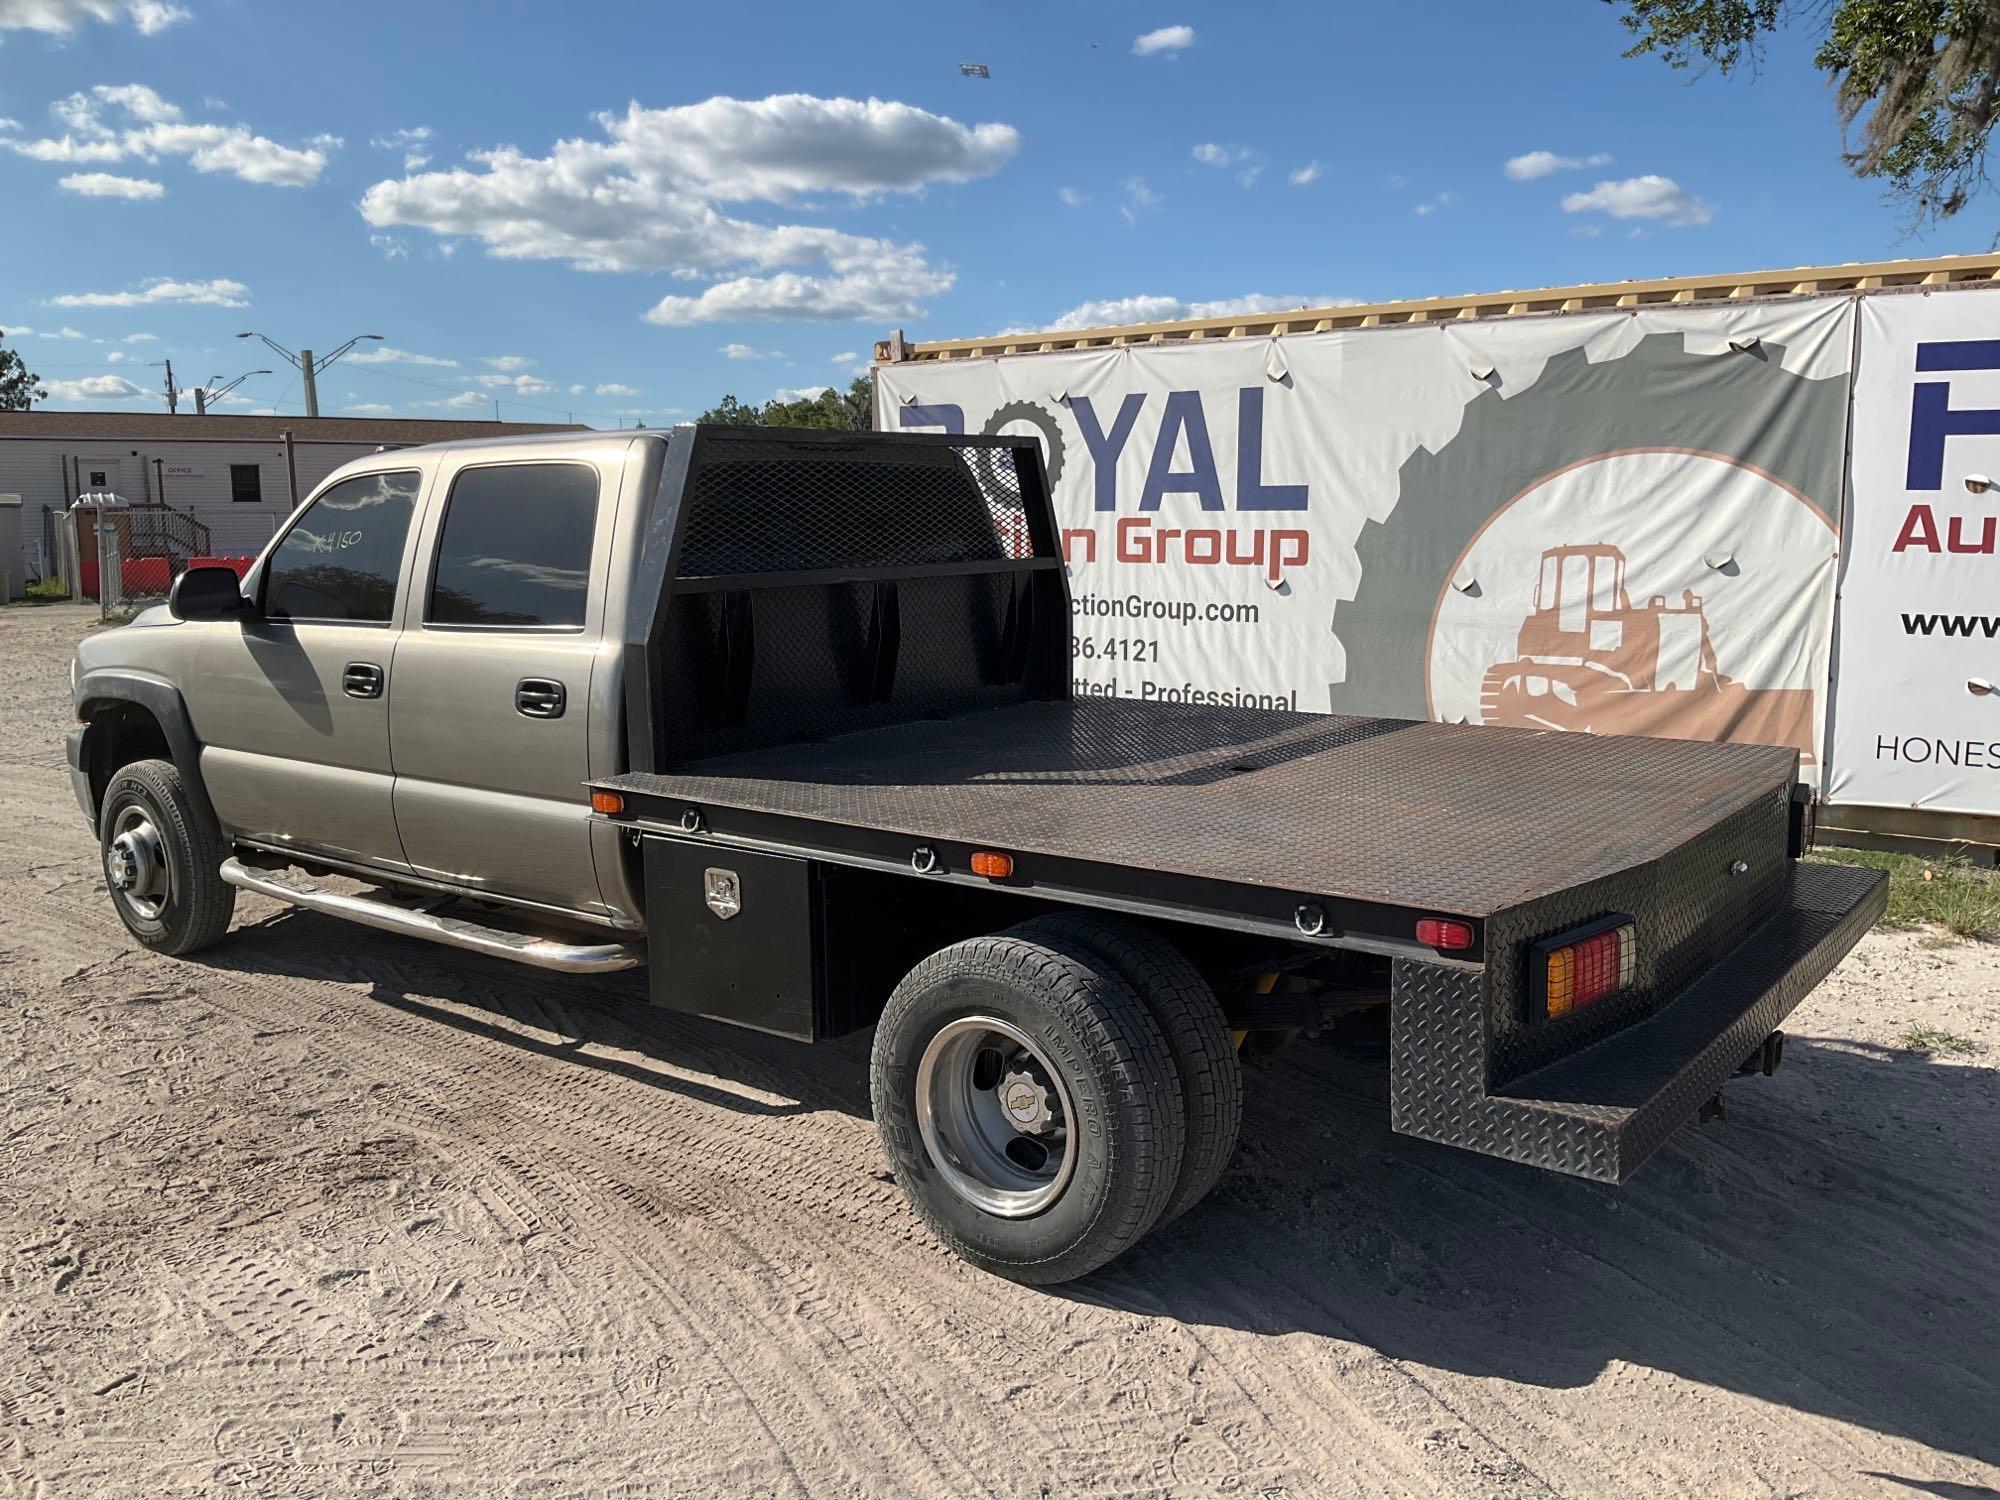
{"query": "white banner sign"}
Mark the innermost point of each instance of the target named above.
(1623, 522)
(1917, 717)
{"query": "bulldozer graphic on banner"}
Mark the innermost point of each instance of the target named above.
(1589, 660)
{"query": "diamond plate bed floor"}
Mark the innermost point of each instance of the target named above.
(1453, 818)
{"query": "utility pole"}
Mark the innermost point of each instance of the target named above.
(173, 396)
(307, 366)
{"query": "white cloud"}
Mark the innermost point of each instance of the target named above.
(140, 338)
(520, 385)
(647, 196)
(1167, 40)
(857, 290)
(1245, 161)
(391, 246)
(1532, 164)
(789, 394)
(507, 362)
(413, 142)
(151, 16)
(135, 99)
(110, 185)
(1647, 197)
(1138, 195)
(578, 389)
(1303, 175)
(613, 388)
(21, 331)
(1117, 311)
(60, 17)
(220, 292)
(119, 122)
(847, 359)
(1432, 205)
(1071, 197)
(389, 354)
(97, 388)
(463, 401)
(368, 409)
(739, 351)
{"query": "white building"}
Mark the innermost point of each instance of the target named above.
(238, 476)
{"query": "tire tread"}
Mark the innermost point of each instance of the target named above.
(208, 901)
(1196, 1032)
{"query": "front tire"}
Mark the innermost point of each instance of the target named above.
(161, 860)
(1028, 1104)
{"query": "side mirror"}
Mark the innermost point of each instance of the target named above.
(208, 593)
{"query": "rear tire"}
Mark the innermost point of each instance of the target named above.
(1028, 1105)
(161, 859)
(1196, 1032)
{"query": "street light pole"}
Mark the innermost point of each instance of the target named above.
(203, 394)
(307, 366)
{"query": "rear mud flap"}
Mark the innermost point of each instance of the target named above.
(1600, 1112)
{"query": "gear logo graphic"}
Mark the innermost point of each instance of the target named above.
(1621, 547)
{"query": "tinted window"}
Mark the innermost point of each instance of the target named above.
(341, 558)
(516, 546)
(246, 483)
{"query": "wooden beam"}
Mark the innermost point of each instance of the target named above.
(1944, 271)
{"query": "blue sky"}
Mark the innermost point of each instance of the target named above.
(619, 211)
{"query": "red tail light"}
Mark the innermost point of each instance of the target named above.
(1443, 932)
(1582, 966)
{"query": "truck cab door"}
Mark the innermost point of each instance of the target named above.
(291, 705)
(491, 706)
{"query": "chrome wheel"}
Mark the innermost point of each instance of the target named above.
(995, 1116)
(135, 864)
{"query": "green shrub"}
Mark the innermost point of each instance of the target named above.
(47, 591)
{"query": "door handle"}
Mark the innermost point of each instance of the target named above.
(540, 698)
(361, 679)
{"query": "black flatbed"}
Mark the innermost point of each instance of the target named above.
(1449, 818)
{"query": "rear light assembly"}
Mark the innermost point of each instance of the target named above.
(1581, 967)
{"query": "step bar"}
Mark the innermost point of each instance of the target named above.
(456, 932)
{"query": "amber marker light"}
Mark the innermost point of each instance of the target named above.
(992, 865)
(607, 803)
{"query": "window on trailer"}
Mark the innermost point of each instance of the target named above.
(246, 483)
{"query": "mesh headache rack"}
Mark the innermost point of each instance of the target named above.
(820, 583)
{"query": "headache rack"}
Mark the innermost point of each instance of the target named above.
(802, 585)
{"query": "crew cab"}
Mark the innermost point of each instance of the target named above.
(788, 718)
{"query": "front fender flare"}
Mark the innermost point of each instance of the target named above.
(105, 686)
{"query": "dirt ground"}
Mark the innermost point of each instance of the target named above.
(328, 1212)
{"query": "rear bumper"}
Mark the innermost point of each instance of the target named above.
(1600, 1112)
(79, 778)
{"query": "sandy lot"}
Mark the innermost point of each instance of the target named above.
(328, 1212)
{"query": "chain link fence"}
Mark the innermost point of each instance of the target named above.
(127, 556)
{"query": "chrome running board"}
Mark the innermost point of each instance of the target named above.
(543, 953)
